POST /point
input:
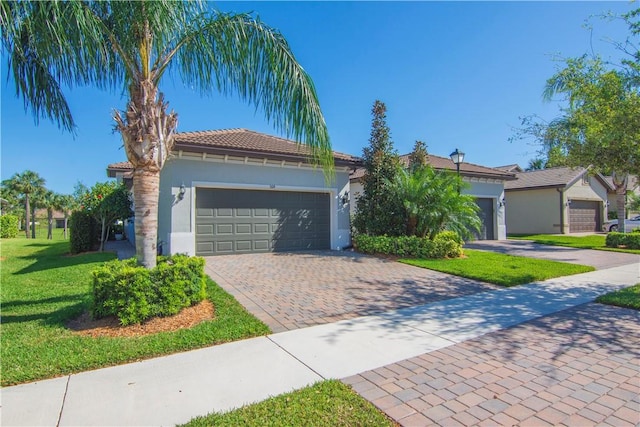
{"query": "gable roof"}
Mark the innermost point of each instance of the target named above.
(445, 163)
(510, 168)
(558, 177)
(241, 142)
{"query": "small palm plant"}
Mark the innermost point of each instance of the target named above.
(432, 203)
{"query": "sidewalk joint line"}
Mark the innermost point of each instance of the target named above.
(292, 355)
(64, 399)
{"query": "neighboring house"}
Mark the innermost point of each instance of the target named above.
(633, 185)
(485, 184)
(58, 217)
(556, 201)
(510, 168)
(239, 191)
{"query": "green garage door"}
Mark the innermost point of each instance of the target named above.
(246, 221)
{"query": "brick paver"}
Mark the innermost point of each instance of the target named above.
(580, 366)
(294, 290)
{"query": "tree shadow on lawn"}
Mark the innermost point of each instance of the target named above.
(57, 255)
(56, 317)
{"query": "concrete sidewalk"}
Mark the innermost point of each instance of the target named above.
(176, 388)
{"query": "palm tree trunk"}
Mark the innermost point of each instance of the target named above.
(65, 225)
(27, 210)
(620, 184)
(49, 224)
(146, 188)
(33, 222)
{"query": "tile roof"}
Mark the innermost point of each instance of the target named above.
(240, 142)
(510, 168)
(444, 163)
(248, 140)
(552, 177)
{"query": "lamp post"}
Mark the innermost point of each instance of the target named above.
(457, 157)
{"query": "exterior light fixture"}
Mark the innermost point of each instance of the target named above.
(181, 192)
(344, 199)
(503, 202)
(457, 157)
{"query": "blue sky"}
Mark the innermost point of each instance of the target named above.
(453, 74)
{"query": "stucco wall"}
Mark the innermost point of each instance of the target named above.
(534, 211)
(177, 217)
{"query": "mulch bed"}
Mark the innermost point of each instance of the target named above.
(110, 326)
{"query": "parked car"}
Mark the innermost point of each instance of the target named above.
(629, 224)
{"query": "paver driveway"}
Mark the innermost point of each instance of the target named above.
(293, 290)
(578, 367)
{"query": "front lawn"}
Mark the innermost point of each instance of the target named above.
(595, 241)
(500, 269)
(627, 297)
(43, 288)
(327, 403)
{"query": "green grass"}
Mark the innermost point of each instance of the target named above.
(42, 288)
(627, 297)
(328, 403)
(595, 241)
(500, 269)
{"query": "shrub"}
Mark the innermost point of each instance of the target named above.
(8, 226)
(445, 245)
(628, 240)
(134, 294)
(84, 233)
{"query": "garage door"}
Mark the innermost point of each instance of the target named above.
(486, 217)
(245, 221)
(584, 216)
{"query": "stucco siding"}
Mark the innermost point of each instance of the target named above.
(591, 190)
(533, 211)
(177, 216)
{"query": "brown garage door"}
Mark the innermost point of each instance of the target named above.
(245, 221)
(584, 216)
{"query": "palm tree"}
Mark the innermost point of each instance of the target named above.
(27, 184)
(65, 203)
(132, 45)
(432, 202)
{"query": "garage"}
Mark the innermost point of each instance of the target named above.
(486, 217)
(230, 221)
(584, 216)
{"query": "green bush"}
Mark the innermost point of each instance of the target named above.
(8, 226)
(134, 294)
(445, 245)
(628, 240)
(84, 232)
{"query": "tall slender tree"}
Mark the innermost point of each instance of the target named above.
(27, 184)
(132, 45)
(379, 211)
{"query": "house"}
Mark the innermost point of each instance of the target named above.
(633, 185)
(556, 201)
(239, 191)
(485, 184)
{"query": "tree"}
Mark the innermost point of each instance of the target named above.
(27, 184)
(602, 119)
(107, 202)
(432, 203)
(65, 203)
(535, 164)
(48, 201)
(132, 45)
(419, 156)
(378, 210)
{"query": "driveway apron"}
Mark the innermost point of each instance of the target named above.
(299, 289)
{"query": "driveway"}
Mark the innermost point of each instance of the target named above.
(598, 259)
(294, 290)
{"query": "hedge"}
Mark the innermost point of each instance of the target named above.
(8, 226)
(628, 240)
(445, 245)
(134, 294)
(84, 232)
